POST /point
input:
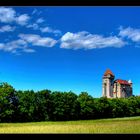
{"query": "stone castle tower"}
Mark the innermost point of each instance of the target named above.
(115, 88)
(108, 79)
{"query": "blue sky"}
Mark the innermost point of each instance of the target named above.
(67, 48)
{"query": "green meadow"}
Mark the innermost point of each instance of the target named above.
(115, 125)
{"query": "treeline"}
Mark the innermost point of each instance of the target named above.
(44, 105)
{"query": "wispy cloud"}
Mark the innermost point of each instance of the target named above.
(130, 33)
(26, 40)
(86, 40)
(34, 26)
(35, 11)
(16, 46)
(38, 26)
(7, 28)
(49, 30)
(40, 20)
(8, 15)
(37, 40)
(22, 19)
(28, 50)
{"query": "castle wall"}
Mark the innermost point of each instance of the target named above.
(119, 90)
(122, 91)
(127, 91)
(115, 90)
(107, 87)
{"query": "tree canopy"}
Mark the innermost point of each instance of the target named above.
(45, 105)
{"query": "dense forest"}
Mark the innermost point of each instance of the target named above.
(45, 105)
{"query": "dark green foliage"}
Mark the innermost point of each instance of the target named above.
(26, 106)
(87, 106)
(64, 106)
(44, 105)
(8, 102)
(104, 108)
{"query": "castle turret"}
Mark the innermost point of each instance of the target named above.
(108, 79)
(130, 82)
(131, 90)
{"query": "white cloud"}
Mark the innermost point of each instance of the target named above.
(28, 50)
(26, 40)
(7, 28)
(34, 26)
(22, 19)
(8, 15)
(37, 40)
(16, 46)
(56, 31)
(130, 33)
(40, 20)
(89, 41)
(46, 29)
(2, 46)
(34, 11)
(50, 30)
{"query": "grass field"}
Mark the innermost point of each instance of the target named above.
(116, 125)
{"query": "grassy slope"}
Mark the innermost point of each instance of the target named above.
(117, 125)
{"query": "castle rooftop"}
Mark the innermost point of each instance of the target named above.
(124, 82)
(108, 71)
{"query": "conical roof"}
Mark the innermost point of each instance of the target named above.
(108, 71)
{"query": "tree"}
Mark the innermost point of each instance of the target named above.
(121, 107)
(26, 106)
(71, 106)
(135, 104)
(42, 107)
(64, 106)
(87, 106)
(8, 102)
(104, 107)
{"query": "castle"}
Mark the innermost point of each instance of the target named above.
(115, 88)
